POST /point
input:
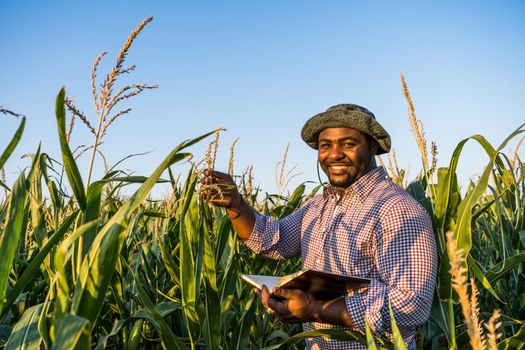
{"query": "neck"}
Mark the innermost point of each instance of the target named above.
(371, 167)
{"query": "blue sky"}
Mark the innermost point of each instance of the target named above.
(261, 69)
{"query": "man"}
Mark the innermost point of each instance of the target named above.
(361, 225)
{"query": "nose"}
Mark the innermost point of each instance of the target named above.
(336, 152)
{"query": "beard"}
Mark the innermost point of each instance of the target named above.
(341, 181)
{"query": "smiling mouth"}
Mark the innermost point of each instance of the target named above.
(338, 169)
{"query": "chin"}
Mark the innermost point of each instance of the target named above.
(341, 183)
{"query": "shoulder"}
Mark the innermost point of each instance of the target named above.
(394, 204)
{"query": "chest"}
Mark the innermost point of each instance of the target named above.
(339, 239)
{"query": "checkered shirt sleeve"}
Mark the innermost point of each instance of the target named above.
(277, 239)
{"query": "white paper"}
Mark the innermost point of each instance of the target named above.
(258, 281)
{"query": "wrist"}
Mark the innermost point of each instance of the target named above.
(236, 203)
(236, 208)
(317, 309)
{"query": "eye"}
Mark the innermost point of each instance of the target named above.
(348, 144)
(324, 145)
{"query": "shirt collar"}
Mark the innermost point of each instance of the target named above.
(362, 187)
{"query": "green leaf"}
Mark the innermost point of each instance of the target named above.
(2, 184)
(63, 290)
(223, 235)
(399, 343)
(163, 308)
(440, 315)
(342, 335)
(94, 197)
(25, 334)
(212, 322)
(462, 230)
(36, 201)
(499, 270)
(189, 274)
(241, 333)
(516, 342)
(171, 266)
(44, 327)
(31, 270)
(417, 191)
(14, 228)
(169, 340)
(12, 144)
(370, 342)
(480, 276)
(70, 165)
(522, 238)
(69, 333)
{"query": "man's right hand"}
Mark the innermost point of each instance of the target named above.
(226, 194)
(220, 189)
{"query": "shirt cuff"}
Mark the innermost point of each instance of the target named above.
(367, 302)
(262, 234)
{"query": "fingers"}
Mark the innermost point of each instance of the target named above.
(280, 306)
(217, 177)
(284, 293)
(219, 188)
(279, 301)
(264, 294)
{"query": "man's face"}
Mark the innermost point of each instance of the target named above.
(345, 155)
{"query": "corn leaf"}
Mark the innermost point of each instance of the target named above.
(24, 281)
(480, 276)
(94, 197)
(44, 327)
(25, 334)
(370, 342)
(164, 309)
(70, 165)
(37, 216)
(499, 270)
(70, 331)
(516, 342)
(188, 279)
(462, 230)
(63, 289)
(14, 228)
(212, 321)
(170, 264)
(169, 340)
(13, 143)
(342, 335)
(399, 343)
(241, 333)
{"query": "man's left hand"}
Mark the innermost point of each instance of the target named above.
(296, 306)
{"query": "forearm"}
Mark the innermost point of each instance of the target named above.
(332, 312)
(242, 218)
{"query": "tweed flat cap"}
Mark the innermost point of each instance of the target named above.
(346, 116)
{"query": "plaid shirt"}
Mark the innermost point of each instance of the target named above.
(377, 230)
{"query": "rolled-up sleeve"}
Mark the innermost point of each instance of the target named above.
(406, 260)
(277, 239)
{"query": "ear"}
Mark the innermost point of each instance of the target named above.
(374, 146)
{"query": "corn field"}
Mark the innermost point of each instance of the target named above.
(84, 266)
